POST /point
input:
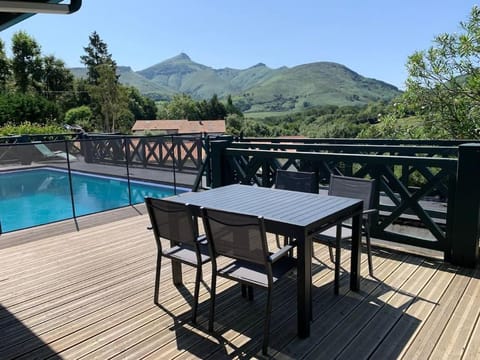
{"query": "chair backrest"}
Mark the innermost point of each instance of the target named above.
(352, 187)
(296, 181)
(171, 221)
(237, 236)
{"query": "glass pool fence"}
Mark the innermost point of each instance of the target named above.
(48, 181)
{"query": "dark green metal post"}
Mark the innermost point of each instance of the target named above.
(466, 216)
(220, 167)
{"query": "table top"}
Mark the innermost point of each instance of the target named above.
(275, 205)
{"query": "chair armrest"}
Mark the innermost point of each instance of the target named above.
(149, 228)
(281, 253)
(370, 211)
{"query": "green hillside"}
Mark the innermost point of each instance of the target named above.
(314, 84)
(258, 88)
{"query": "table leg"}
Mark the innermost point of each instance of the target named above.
(304, 285)
(176, 270)
(356, 252)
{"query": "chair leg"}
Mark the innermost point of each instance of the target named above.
(330, 251)
(266, 329)
(244, 290)
(157, 279)
(369, 252)
(212, 301)
(247, 292)
(198, 279)
(338, 247)
(250, 292)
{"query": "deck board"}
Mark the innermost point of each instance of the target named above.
(89, 294)
(456, 334)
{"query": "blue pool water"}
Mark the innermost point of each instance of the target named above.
(41, 196)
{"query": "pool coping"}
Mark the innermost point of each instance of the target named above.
(73, 225)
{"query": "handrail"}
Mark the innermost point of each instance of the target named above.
(348, 148)
(411, 142)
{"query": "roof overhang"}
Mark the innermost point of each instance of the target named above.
(12, 12)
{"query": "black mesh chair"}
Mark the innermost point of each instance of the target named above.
(355, 188)
(295, 181)
(174, 222)
(242, 238)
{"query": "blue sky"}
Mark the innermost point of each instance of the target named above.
(372, 37)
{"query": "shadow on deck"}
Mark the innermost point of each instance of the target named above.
(89, 294)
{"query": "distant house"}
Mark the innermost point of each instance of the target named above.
(178, 127)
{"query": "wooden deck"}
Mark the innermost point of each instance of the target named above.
(88, 295)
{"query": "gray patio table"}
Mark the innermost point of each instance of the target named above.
(295, 214)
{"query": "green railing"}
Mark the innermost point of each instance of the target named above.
(422, 194)
(348, 141)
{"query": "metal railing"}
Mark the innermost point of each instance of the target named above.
(170, 160)
(419, 185)
(427, 193)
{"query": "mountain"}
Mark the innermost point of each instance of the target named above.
(257, 88)
(319, 83)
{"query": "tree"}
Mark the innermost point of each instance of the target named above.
(140, 106)
(389, 127)
(16, 108)
(444, 81)
(26, 63)
(216, 109)
(4, 68)
(110, 96)
(235, 124)
(182, 106)
(96, 54)
(231, 108)
(81, 116)
(57, 79)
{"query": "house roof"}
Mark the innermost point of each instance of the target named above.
(13, 12)
(181, 126)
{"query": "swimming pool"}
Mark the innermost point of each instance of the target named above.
(42, 195)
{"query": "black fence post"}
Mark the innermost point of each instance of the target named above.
(221, 172)
(466, 214)
(87, 145)
(208, 153)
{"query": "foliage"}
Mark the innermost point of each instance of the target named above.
(110, 97)
(16, 108)
(230, 108)
(319, 122)
(182, 106)
(81, 116)
(140, 106)
(30, 128)
(57, 80)
(444, 82)
(390, 127)
(96, 54)
(26, 62)
(114, 106)
(40, 89)
(4, 68)
(234, 124)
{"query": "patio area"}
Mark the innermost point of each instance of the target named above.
(89, 294)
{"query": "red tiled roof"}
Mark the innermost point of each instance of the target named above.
(181, 126)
